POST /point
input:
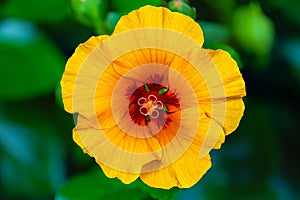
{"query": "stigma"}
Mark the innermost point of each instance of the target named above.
(150, 106)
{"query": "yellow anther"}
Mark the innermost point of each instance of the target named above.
(149, 104)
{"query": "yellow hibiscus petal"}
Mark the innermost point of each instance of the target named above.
(204, 82)
(220, 141)
(235, 110)
(129, 143)
(149, 16)
(183, 173)
(103, 95)
(211, 133)
(189, 167)
(125, 177)
(229, 71)
(129, 153)
(78, 141)
(72, 67)
(234, 89)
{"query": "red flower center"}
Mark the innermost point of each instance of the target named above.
(152, 103)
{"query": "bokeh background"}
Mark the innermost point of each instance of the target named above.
(38, 158)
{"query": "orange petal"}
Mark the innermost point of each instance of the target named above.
(230, 73)
(183, 173)
(189, 167)
(234, 86)
(211, 135)
(160, 17)
(78, 141)
(109, 172)
(125, 177)
(129, 153)
(72, 68)
(103, 98)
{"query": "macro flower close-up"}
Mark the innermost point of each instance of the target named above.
(149, 99)
(149, 102)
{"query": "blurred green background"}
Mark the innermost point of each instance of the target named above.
(39, 160)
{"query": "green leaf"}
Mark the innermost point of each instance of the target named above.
(30, 64)
(58, 96)
(163, 90)
(90, 13)
(125, 6)
(36, 10)
(214, 32)
(290, 50)
(285, 10)
(111, 20)
(94, 185)
(253, 30)
(31, 150)
(182, 7)
(221, 11)
(156, 193)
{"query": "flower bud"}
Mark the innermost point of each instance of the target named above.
(111, 20)
(253, 30)
(182, 7)
(89, 12)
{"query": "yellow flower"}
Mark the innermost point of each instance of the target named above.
(150, 102)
